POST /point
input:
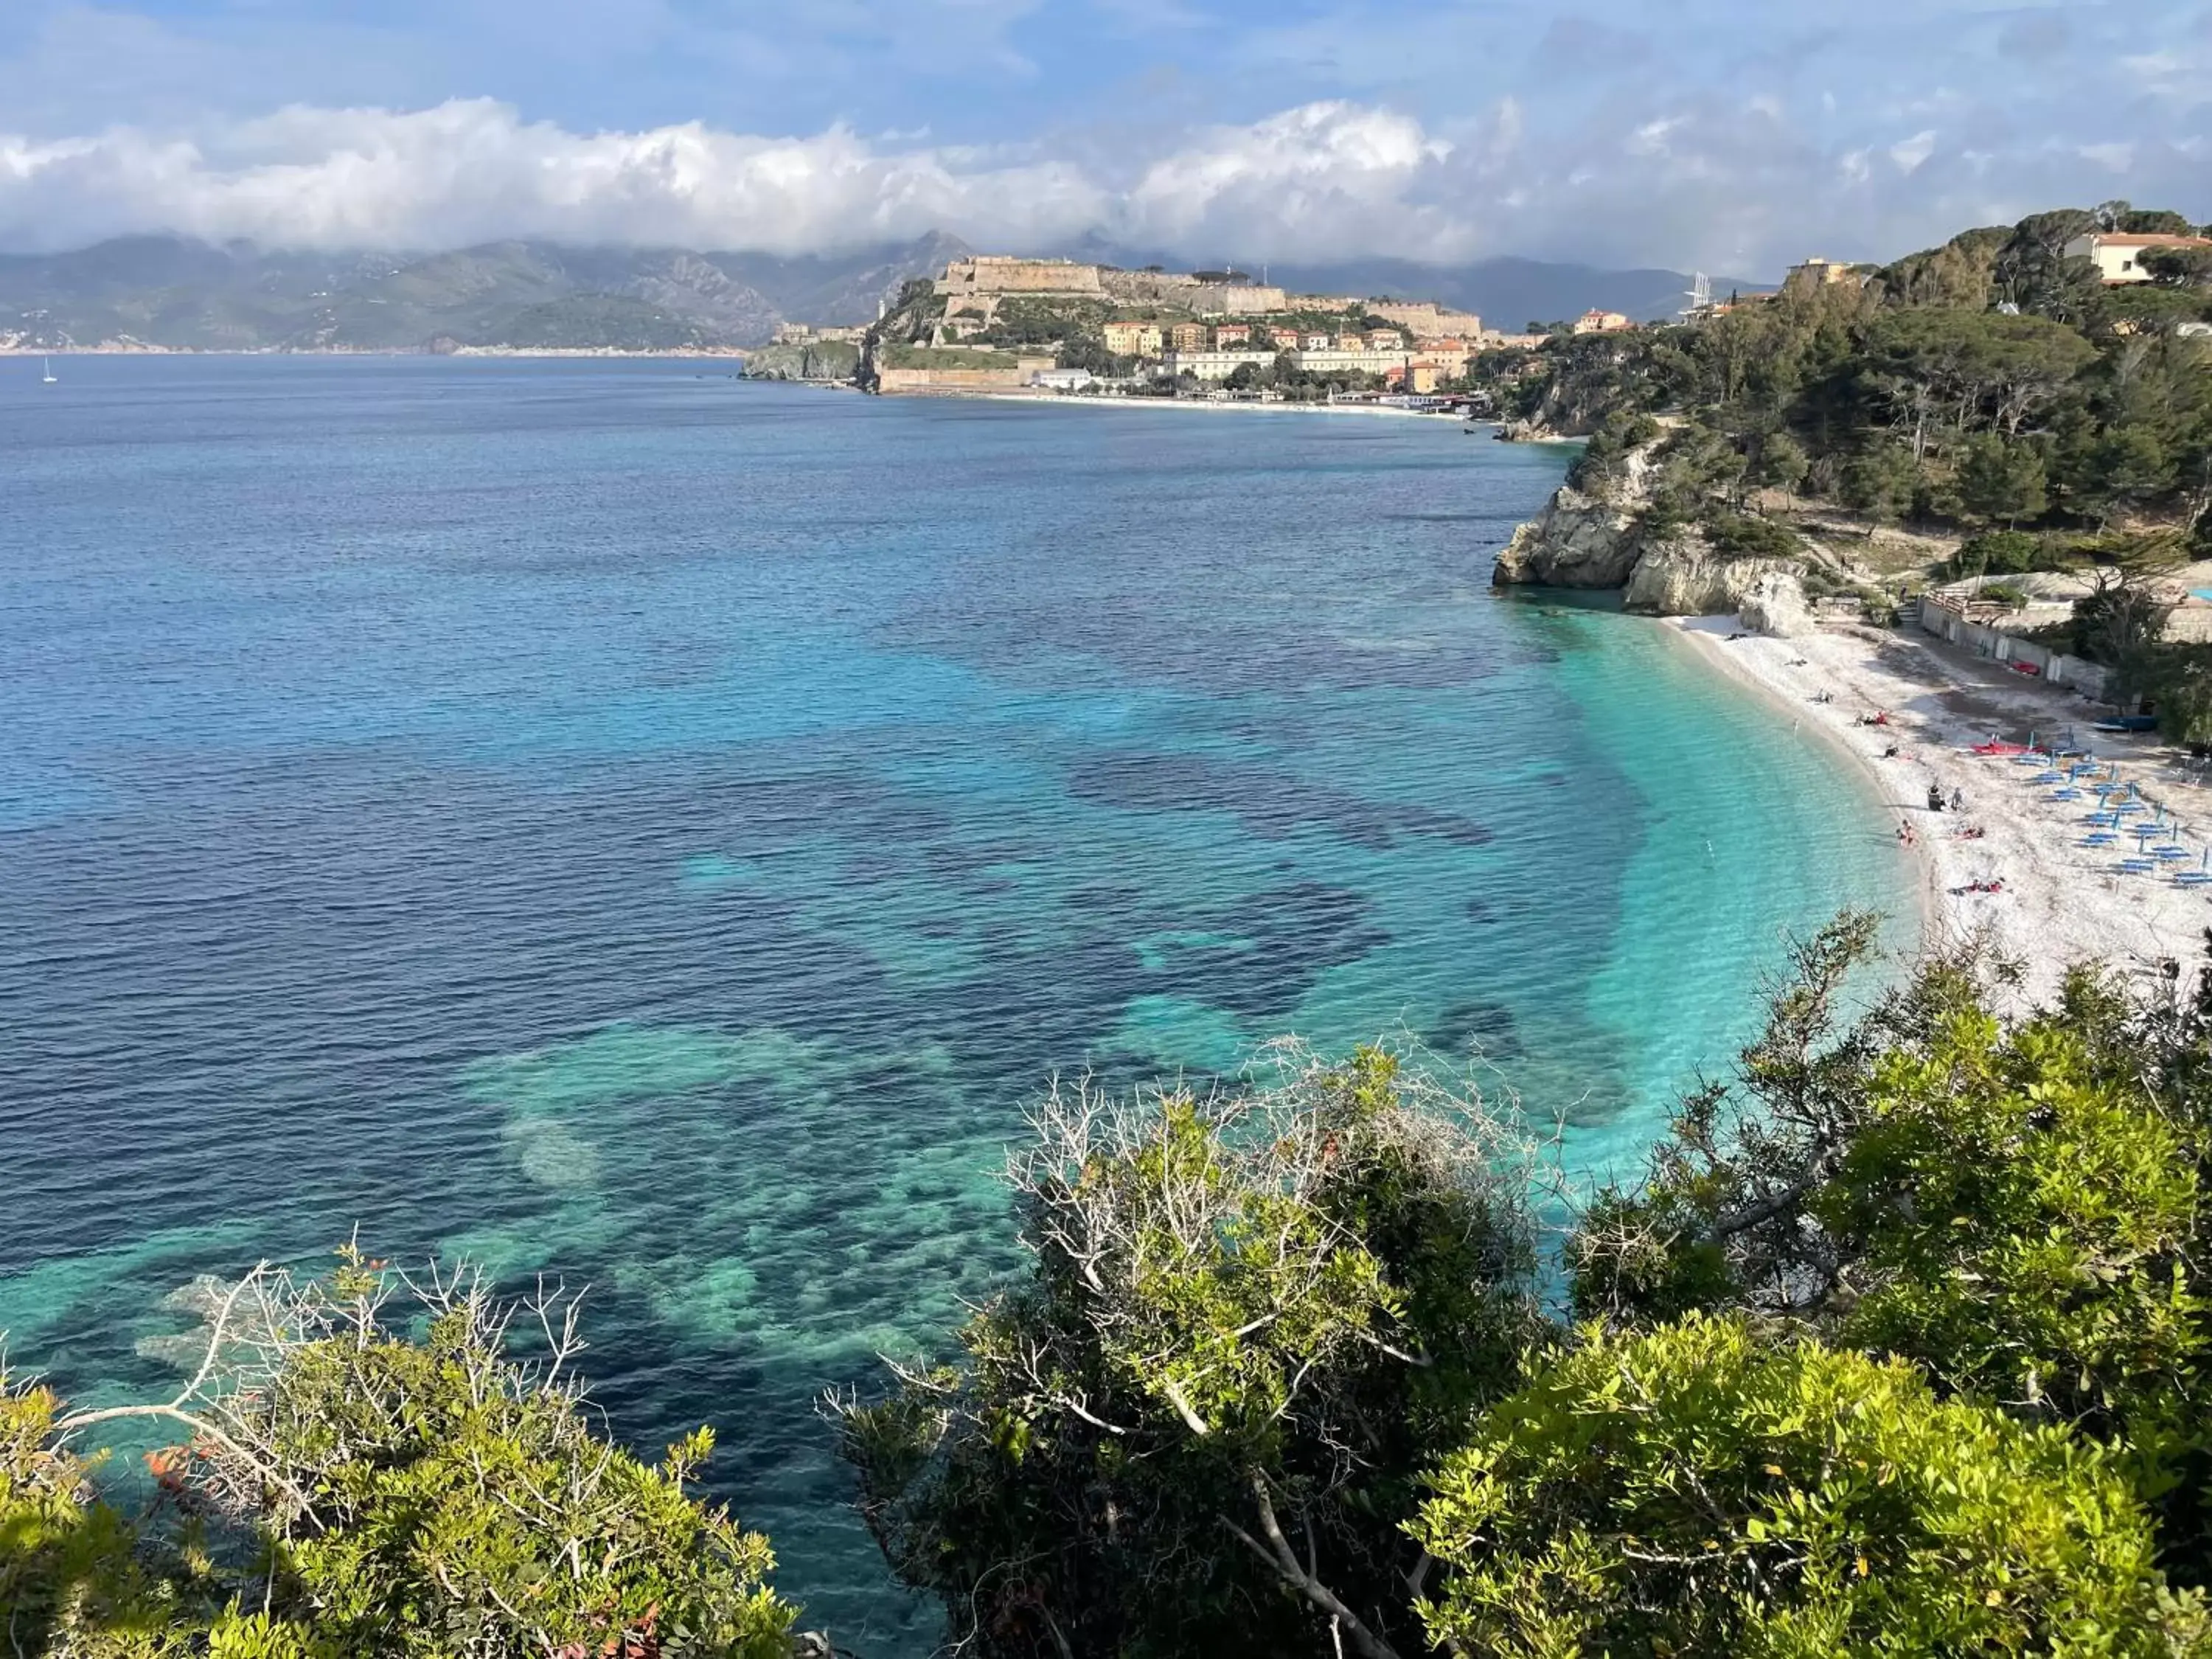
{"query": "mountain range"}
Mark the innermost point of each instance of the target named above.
(181, 295)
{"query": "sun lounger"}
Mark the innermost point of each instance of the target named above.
(2138, 866)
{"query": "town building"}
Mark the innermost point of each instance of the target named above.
(1133, 339)
(808, 334)
(1063, 379)
(894, 381)
(1226, 335)
(1186, 337)
(989, 274)
(1335, 361)
(2120, 259)
(1602, 322)
(1315, 342)
(1213, 365)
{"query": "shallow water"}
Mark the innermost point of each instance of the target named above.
(610, 819)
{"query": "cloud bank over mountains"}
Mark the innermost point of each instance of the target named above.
(1740, 139)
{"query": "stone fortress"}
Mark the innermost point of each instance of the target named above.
(1202, 326)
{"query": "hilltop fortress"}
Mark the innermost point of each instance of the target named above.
(1002, 322)
(988, 277)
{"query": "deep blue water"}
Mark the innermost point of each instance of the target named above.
(608, 818)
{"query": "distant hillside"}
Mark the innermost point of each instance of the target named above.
(183, 294)
(169, 291)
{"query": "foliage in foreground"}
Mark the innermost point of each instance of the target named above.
(1900, 1347)
(348, 1490)
(1700, 1490)
(1196, 1426)
(1898, 1350)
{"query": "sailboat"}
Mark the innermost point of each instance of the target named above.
(50, 380)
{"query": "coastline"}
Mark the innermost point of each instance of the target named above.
(1061, 401)
(1703, 640)
(2061, 901)
(703, 354)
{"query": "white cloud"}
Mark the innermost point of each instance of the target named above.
(1262, 185)
(1688, 181)
(472, 171)
(1913, 151)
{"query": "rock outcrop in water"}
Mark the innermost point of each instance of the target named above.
(1583, 539)
(1576, 541)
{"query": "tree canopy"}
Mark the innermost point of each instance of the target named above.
(1994, 381)
(350, 1491)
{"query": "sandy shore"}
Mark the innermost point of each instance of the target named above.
(1062, 400)
(2062, 900)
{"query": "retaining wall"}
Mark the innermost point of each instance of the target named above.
(2052, 667)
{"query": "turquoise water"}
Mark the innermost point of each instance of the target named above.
(614, 820)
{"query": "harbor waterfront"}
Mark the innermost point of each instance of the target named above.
(609, 819)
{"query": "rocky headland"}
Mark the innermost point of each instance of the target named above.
(1587, 540)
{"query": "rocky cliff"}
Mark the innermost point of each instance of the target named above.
(1583, 540)
(1576, 541)
(1682, 576)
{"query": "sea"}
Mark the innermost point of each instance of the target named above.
(611, 820)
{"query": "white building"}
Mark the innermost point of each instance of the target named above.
(2120, 258)
(1213, 365)
(1063, 379)
(1363, 361)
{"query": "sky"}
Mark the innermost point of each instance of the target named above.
(1734, 136)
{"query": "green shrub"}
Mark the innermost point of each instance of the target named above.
(2002, 553)
(917, 357)
(1740, 536)
(1251, 1318)
(378, 1496)
(1691, 1490)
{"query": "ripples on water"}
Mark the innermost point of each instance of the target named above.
(610, 819)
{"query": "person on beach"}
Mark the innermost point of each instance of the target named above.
(1935, 797)
(1958, 800)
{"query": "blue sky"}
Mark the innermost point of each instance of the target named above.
(1720, 133)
